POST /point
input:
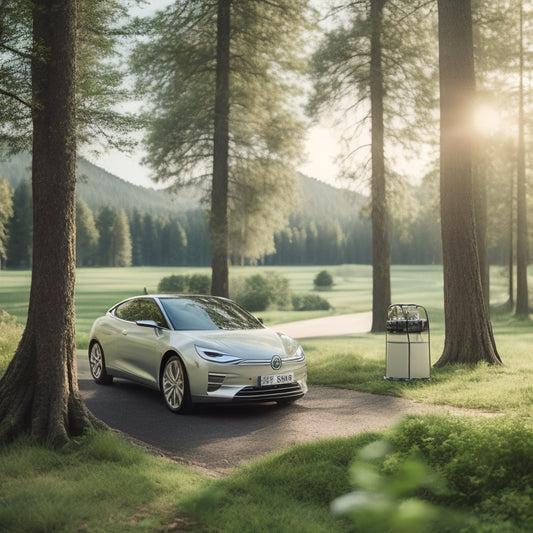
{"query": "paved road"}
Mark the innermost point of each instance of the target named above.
(328, 326)
(219, 438)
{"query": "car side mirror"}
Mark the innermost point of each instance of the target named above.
(147, 324)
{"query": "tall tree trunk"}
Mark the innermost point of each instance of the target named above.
(522, 292)
(39, 391)
(381, 290)
(480, 213)
(219, 192)
(510, 256)
(469, 337)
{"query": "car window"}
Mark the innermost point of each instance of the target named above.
(141, 309)
(205, 313)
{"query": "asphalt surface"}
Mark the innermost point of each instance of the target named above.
(219, 438)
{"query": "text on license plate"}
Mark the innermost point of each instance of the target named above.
(276, 379)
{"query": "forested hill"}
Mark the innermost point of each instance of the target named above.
(98, 188)
(324, 227)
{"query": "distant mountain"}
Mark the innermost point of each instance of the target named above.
(97, 187)
(322, 201)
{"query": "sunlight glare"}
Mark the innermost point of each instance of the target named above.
(486, 120)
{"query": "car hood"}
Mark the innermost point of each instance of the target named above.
(247, 344)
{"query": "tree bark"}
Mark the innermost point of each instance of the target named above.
(480, 214)
(219, 193)
(468, 337)
(381, 289)
(39, 391)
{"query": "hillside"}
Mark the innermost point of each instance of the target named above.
(98, 187)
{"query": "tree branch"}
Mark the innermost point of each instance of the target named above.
(15, 97)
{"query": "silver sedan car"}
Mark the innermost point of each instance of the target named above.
(196, 349)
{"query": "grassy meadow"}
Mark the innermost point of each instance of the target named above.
(471, 474)
(97, 289)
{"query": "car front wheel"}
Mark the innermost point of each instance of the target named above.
(174, 385)
(97, 365)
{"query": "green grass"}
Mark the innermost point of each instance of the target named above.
(102, 483)
(358, 362)
(466, 473)
(97, 289)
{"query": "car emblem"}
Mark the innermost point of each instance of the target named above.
(276, 362)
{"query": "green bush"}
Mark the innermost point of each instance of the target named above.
(309, 302)
(177, 283)
(256, 296)
(455, 474)
(323, 280)
(10, 334)
(199, 284)
(261, 291)
(173, 284)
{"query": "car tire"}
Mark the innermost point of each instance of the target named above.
(174, 385)
(97, 365)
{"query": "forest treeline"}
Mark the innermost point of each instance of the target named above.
(121, 224)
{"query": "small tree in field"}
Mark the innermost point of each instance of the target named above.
(323, 281)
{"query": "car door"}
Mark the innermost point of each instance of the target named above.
(140, 347)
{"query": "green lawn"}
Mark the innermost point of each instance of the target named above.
(430, 474)
(99, 288)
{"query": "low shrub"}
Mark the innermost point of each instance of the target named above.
(199, 284)
(323, 281)
(309, 302)
(178, 283)
(10, 334)
(444, 474)
(261, 291)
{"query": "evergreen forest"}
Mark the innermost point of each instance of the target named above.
(122, 224)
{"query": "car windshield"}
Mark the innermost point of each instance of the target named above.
(205, 313)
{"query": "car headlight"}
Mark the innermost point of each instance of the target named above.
(293, 350)
(215, 356)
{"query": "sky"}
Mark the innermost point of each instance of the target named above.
(318, 162)
(321, 148)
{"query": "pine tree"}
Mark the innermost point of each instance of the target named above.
(469, 337)
(39, 391)
(178, 64)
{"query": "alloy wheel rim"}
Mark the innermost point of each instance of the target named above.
(96, 361)
(173, 384)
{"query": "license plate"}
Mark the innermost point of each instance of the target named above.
(276, 379)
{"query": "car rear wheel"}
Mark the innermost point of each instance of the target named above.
(174, 385)
(97, 365)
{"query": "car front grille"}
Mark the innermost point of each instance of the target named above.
(289, 391)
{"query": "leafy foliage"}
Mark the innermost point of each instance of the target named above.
(10, 334)
(261, 291)
(179, 283)
(175, 64)
(99, 78)
(309, 302)
(323, 280)
(432, 465)
(6, 212)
